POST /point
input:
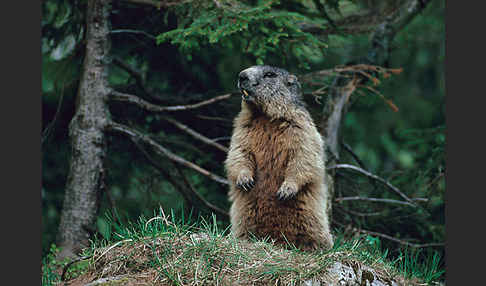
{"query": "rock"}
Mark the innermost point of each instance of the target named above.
(345, 275)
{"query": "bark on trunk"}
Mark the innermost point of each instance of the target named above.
(333, 114)
(86, 131)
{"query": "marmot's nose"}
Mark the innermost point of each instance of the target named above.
(246, 79)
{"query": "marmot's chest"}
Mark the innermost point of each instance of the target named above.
(271, 148)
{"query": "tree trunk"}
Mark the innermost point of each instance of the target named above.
(85, 180)
(341, 89)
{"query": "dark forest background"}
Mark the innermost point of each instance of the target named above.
(190, 51)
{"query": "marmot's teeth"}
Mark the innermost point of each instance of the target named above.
(245, 92)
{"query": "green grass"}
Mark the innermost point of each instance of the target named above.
(49, 276)
(416, 263)
(185, 251)
(52, 268)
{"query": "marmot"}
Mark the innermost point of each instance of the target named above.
(275, 164)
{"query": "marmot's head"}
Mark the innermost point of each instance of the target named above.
(272, 90)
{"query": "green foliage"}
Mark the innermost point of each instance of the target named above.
(49, 275)
(52, 268)
(62, 28)
(258, 30)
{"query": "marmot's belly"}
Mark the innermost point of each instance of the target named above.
(290, 220)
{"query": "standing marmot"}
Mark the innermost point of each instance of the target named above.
(275, 164)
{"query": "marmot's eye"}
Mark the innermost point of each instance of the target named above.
(270, 74)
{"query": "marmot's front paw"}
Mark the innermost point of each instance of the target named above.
(245, 181)
(287, 190)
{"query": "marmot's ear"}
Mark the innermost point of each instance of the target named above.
(292, 80)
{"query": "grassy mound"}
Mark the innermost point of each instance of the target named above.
(161, 251)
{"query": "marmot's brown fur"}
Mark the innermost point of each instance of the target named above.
(275, 164)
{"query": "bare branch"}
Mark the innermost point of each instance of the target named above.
(140, 78)
(365, 22)
(224, 138)
(348, 70)
(382, 235)
(191, 196)
(408, 11)
(142, 83)
(355, 157)
(113, 126)
(196, 135)
(119, 96)
(216, 2)
(199, 197)
(355, 213)
(390, 201)
(202, 103)
(414, 245)
(133, 32)
(340, 92)
(374, 177)
(435, 180)
(356, 23)
(165, 173)
(226, 120)
(47, 130)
